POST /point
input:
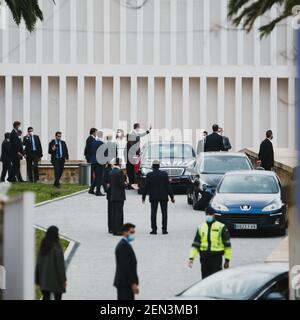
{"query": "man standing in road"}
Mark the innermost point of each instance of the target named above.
(226, 141)
(59, 154)
(97, 167)
(266, 152)
(16, 152)
(212, 241)
(117, 185)
(88, 149)
(34, 153)
(214, 142)
(126, 278)
(157, 186)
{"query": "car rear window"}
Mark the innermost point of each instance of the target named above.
(169, 151)
(221, 165)
(252, 184)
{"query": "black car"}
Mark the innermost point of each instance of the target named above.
(206, 173)
(250, 201)
(265, 281)
(174, 158)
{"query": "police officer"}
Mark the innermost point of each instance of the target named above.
(212, 241)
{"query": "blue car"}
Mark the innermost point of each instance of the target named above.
(250, 200)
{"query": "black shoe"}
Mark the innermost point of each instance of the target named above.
(153, 232)
(165, 232)
(91, 192)
(99, 194)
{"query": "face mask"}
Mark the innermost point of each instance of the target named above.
(210, 219)
(31, 133)
(131, 238)
(20, 128)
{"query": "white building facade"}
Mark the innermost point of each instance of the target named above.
(171, 63)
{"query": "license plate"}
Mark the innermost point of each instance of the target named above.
(245, 226)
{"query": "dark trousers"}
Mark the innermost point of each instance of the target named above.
(58, 169)
(210, 263)
(130, 173)
(117, 217)
(164, 211)
(47, 295)
(267, 167)
(15, 172)
(125, 293)
(98, 177)
(6, 168)
(109, 215)
(32, 161)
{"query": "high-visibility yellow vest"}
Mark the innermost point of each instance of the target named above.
(216, 241)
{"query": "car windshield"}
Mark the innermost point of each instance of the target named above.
(230, 284)
(221, 165)
(253, 184)
(169, 151)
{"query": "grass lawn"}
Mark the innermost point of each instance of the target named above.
(44, 192)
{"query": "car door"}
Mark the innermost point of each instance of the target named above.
(279, 285)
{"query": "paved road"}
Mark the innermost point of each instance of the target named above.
(162, 260)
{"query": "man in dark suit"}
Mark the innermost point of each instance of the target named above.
(5, 156)
(117, 185)
(97, 165)
(108, 195)
(34, 153)
(201, 143)
(59, 154)
(214, 142)
(157, 186)
(88, 148)
(126, 279)
(16, 152)
(226, 141)
(266, 152)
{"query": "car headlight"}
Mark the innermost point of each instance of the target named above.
(218, 206)
(275, 205)
(145, 171)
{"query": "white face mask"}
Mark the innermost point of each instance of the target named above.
(31, 133)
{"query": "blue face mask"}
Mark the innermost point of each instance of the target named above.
(210, 219)
(131, 238)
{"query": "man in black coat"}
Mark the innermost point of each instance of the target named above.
(126, 279)
(117, 185)
(5, 156)
(226, 141)
(34, 153)
(214, 142)
(16, 152)
(59, 154)
(88, 149)
(266, 152)
(157, 186)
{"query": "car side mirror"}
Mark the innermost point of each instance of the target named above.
(260, 168)
(275, 296)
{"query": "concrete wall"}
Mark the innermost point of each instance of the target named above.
(173, 63)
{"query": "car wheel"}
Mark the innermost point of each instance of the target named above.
(282, 232)
(189, 198)
(195, 200)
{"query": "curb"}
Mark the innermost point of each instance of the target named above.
(71, 249)
(60, 198)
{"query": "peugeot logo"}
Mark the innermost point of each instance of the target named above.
(245, 208)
